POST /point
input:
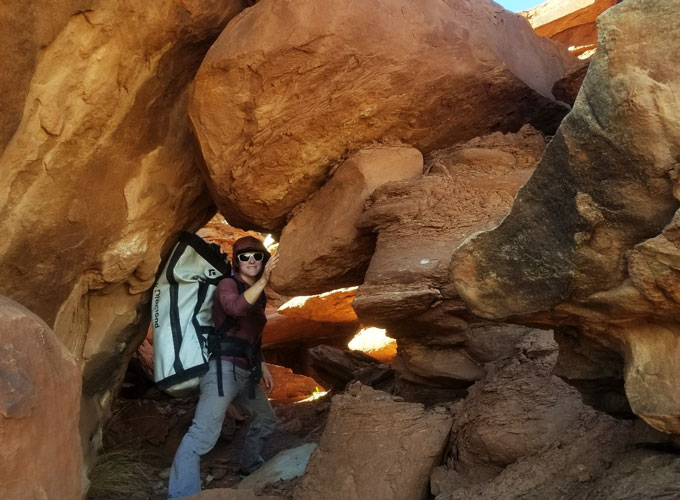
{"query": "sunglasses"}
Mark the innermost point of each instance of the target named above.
(245, 257)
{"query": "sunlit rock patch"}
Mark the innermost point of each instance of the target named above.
(374, 342)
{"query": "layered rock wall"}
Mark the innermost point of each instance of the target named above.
(469, 187)
(590, 241)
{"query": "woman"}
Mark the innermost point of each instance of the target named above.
(252, 267)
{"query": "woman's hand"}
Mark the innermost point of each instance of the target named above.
(267, 378)
(271, 264)
(253, 293)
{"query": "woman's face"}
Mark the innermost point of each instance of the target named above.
(251, 267)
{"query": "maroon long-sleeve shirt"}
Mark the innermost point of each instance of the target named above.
(250, 318)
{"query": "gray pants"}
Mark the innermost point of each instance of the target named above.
(201, 437)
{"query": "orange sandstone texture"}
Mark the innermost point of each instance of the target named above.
(289, 386)
(26, 28)
(375, 343)
(218, 231)
(273, 112)
(570, 22)
(469, 187)
(40, 384)
(333, 307)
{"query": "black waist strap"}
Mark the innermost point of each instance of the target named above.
(238, 348)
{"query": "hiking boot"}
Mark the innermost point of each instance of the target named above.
(243, 473)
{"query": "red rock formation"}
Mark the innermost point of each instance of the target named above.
(381, 447)
(289, 386)
(590, 243)
(523, 433)
(338, 367)
(469, 187)
(566, 88)
(218, 230)
(320, 247)
(273, 113)
(570, 22)
(281, 330)
(375, 343)
(516, 410)
(40, 385)
(331, 307)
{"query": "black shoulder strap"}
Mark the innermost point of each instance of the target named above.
(229, 322)
(239, 286)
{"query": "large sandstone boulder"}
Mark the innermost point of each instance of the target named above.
(40, 385)
(320, 247)
(101, 174)
(570, 22)
(273, 113)
(591, 239)
(375, 447)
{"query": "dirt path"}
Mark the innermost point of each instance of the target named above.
(153, 429)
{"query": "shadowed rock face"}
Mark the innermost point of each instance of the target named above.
(469, 187)
(100, 172)
(591, 236)
(516, 410)
(272, 112)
